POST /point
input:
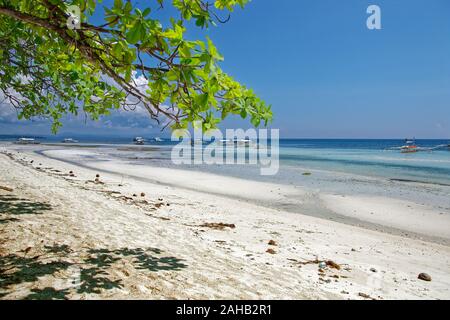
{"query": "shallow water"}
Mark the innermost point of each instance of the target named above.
(368, 158)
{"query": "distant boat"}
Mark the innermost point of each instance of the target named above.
(409, 147)
(236, 142)
(27, 141)
(139, 140)
(157, 139)
(70, 140)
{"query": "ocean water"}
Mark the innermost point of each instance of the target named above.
(369, 158)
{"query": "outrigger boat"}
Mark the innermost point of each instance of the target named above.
(410, 147)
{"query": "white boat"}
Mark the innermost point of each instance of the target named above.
(27, 141)
(70, 140)
(157, 139)
(236, 142)
(139, 140)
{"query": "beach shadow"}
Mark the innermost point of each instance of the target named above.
(91, 273)
(48, 294)
(148, 259)
(15, 269)
(12, 205)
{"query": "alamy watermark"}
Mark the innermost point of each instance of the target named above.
(374, 20)
(238, 146)
(74, 20)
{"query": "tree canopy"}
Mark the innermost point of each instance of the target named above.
(51, 64)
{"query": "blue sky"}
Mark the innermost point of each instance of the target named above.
(324, 72)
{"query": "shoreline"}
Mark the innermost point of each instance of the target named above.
(87, 216)
(281, 197)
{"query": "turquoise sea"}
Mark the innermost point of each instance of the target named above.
(369, 157)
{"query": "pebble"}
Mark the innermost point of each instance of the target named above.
(373, 269)
(424, 277)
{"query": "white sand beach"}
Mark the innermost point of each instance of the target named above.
(162, 233)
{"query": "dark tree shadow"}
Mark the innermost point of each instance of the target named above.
(15, 269)
(147, 261)
(48, 294)
(143, 258)
(93, 270)
(94, 279)
(12, 205)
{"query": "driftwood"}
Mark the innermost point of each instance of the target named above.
(6, 189)
(329, 263)
(218, 226)
(333, 264)
(365, 296)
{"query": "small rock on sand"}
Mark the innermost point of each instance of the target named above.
(373, 269)
(142, 194)
(424, 277)
(271, 251)
(97, 175)
(6, 189)
(272, 243)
